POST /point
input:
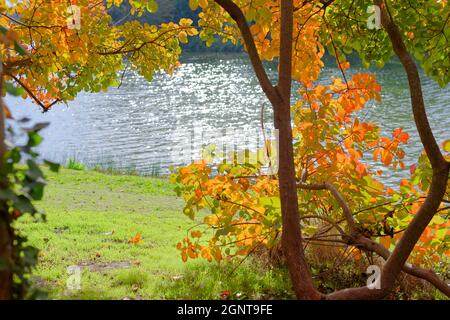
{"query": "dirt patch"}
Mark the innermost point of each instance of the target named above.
(43, 283)
(98, 267)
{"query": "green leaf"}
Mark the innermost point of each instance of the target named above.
(438, 220)
(19, 49)
(37, 191)
(441, 232)
(189, 212)
(7, 194)
(34, 172)
(30, 255)
(272, 202)
(34, 139)
(152, 6)
(13, 90)
(14, 155)
(24, 205)
(223, 232)
(53, 166)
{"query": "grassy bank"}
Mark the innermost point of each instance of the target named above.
(90, 219)
(91, 216)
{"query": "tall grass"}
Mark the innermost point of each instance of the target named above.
(73, 164)
(110, 167)
(130, 170)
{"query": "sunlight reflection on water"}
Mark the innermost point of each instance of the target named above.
(138, 125)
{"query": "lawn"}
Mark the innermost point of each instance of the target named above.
(91, 217)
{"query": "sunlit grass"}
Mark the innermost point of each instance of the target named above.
(91, 217)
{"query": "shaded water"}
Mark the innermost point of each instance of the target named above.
(140, 125)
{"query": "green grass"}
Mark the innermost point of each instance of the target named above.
(74, 165)
(90, 218)
(92, 215)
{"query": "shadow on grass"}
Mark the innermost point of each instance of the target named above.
(250, 280)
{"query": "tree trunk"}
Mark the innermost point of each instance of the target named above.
(6, 252)
(279, 97)
(291, 237)
(6, 232)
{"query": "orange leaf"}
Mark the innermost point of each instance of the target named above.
(386, 242)
(387, 159)
(191, 253)
(376, 152)
(8, 114)
(360, 168)
(136, 239)
(218, 255)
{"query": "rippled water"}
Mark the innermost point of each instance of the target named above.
(142, 125)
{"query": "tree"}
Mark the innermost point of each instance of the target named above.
(63, 59)
(273, 32)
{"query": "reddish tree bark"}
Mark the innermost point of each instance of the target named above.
(6, 233)
(396, 262)
(279, 96)
(291, 237)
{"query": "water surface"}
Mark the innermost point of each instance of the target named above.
(143, 125)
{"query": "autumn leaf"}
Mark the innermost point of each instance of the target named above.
(224, 295)
(193, 4)
(136, 239)
(386, 242)
(446, 146)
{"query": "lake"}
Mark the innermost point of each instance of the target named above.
(144, 126)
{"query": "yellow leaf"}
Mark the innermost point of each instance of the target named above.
(183, 37)
(193, 4)
(203, 3)
(185, 22)
(446, 146)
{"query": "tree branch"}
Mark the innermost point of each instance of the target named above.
(416, 271)
(285, 64)
(358, 240)
(44, 107)
(338, 196)
(418, 105)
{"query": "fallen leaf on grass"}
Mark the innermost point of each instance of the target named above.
(224, 295)
(136, 239)
(136, 262)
